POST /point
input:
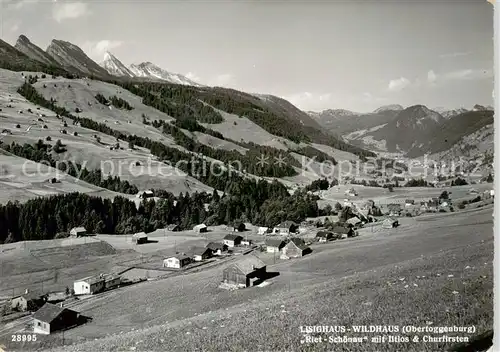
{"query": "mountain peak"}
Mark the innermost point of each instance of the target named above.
(70, 55)
(115, 66)
(149, 70)
(24, 45)
(390, 107)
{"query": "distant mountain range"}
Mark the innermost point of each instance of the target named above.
(414, 131)
(73, 59)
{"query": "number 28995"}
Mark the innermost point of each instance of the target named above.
(23, 337)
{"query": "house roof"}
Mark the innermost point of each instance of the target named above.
(323, 233)
(48, 312)
(248, 264)
(200, 226)
(140, 235)
(297, 242)
(199, 250)
(286, 224)
(232, 237)
(274, 242)
(180, 257)
(410, 201)
(172, 226)
(354, 220)
(340, 229)
(92, 279)
(32, 295)
(390, 220)
(215, 245)
(79, 229)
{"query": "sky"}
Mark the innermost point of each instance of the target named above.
(355, 55)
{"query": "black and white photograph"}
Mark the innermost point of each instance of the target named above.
(247, 175)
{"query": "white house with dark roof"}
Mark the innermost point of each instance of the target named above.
(51, 318)
(89, 285)
(78, 231)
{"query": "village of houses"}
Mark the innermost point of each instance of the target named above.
(246, 248)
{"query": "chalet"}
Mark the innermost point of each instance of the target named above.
(176, 262)
(200, 228)
(285, 228)
(145, 194)
(390, 223)
(89, 285)
(295, 248)
(237, 227)
(217, 248)
(51, 318)
(29, 301)
(354, 221)
(78, 231)
(263, 230)
(201, 253)
(173, 228)
(112, 281)
(244, 272)
(343, 232)
(325, 236)
(274, 245)
(140, 238)
(232, 240)
(409, 202)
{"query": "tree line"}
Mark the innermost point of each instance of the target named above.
(258, 202)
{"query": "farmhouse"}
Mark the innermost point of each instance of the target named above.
(245, 272)
(201, 253)
(343, 232)
(285, 228)
(390, 223)
(176, 262)
(409, 202)
(78, 231)
(354, 221)
(232, 240)
(263, 230)
(139, 238)
(217, 248)
(295, 248)
(29, 301)
(351, 192)
(145, 194)
(238, 226)
(51, 318)
(325, 236)
(274, 245)
(200, 228)
(89, 285)
(173, 228)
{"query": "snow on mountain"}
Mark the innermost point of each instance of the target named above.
(150, 70)
(115, 66)
(391, 107)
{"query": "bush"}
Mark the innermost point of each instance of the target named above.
(461, 206)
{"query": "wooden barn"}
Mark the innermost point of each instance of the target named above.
(325, 236)
(296, 248)
(201, 228)
(217, 248)
(274, 245)
(29, 301)
(51, 318)
(232, 240)
(390, 223)
(343, 231)
(244, 272)
(140, 238)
